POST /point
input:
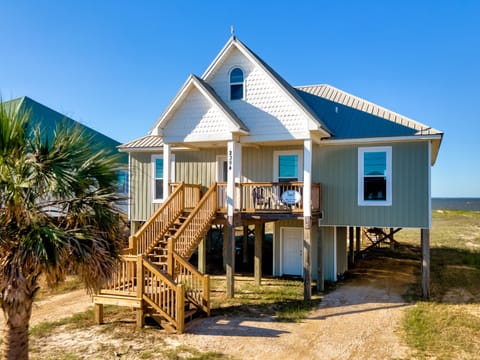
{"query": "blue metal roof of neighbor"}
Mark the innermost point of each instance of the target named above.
(48, 120)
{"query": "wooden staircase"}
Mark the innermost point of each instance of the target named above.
(153, 274)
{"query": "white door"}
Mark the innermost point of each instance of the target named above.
(292, 251)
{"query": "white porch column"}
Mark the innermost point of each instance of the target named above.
(166, 170)
(233, 177)
(307, 178)
(307, 219)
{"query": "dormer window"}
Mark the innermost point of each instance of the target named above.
(236, 84)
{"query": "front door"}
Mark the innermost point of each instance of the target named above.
(292, 251)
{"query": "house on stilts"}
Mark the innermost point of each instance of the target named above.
(241, 147)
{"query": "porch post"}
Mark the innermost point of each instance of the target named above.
(358, 240)
(425, 240)
(257, 267)
(233, 176)
(307, 219)
(351, 252)
(166, 170)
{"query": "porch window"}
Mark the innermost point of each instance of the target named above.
(157, 171)
(375, 176)
(236, 84)
(288, 166)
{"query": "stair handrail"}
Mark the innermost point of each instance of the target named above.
(196, 284)
(187, 237)
(147, 236)
(163, 294)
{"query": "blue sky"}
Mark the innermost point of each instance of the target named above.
(115, 65)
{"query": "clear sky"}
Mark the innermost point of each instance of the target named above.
(114, 65)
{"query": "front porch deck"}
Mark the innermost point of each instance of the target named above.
(270, 200)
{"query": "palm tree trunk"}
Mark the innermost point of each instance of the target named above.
(15, 342)
(17, 309)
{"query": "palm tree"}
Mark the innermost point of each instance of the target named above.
(57, 215)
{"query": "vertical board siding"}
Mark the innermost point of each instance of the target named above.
(192, 167)
(141, 202)
(258, 162)
(336, 168)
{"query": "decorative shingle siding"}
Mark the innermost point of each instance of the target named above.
(196, 120)
(266, 110)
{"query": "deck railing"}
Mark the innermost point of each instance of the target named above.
(124, 280)
(271, 197)
(192, 230)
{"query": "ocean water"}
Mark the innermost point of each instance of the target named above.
(472, 204)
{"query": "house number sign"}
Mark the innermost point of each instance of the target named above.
(230, 159)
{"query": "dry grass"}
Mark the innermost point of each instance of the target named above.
(448, 326)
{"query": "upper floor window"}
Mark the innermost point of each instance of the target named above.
(236, 84)
(375, 176)
(288, 166)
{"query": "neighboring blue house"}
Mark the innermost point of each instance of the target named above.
(48, 119)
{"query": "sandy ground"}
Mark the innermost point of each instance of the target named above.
(358, 320)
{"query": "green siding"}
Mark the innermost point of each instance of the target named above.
(258, 162)
(191, 167)
(335, 167)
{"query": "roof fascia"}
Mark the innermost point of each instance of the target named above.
(182, 93)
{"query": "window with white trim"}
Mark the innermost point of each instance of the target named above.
(236, 84)
(375, 176)
(288, 166)
(158, 179)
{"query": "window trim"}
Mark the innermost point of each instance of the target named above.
(276, 164)
(361, 176)
(154, 157)
(230, 83)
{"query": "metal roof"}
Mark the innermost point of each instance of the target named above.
(144, 143)
(48, 119)
(350, 116)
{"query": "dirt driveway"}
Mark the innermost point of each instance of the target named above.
(359, 320)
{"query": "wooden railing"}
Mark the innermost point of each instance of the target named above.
(271, 197)
(192, 230)
(138, 278)
(196, 284)
(192, 194)
(162, 294)
(182, 197)
(124, 280)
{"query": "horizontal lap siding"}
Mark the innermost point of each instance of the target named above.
(336, 168)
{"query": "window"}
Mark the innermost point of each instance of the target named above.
(122, 182)
(375, 176)
(288, 166)
(157, 169)
(236, 84)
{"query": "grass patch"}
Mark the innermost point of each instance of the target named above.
(447, 326)
(443, 331)
(76, 321)
(281, 298)
(185, 352)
